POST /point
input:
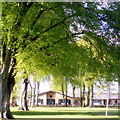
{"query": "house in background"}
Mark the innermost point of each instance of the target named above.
(101, 99)
(54, 98)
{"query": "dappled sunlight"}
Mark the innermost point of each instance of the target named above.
(65, 112)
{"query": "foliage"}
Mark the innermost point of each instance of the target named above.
(65, 39)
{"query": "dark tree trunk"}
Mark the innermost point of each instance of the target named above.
(66, 96)
(92, 93)
(88, 97)
(6, 102)
(7, 84)
(23, 100)
(4, 82)
(83, 104)
(11, 83)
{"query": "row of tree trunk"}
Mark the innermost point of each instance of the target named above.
(82, 95)
(31, 100)
(89, 95)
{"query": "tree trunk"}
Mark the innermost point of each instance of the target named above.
(83, 95)
(88, 97)
(13, 102)
(33, 96)
(0, 96)
(73, 99)
(63, 93)
(66, 95)
(23, 99)
(21, 95)
(6, 103)
(6, 92)
(10, 84)
(36, 93)
(6, 85)
(92, 93)
(30, 97)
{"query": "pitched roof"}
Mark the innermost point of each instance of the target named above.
(54, 92)
(105, 96)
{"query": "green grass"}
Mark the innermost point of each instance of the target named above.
(66, 113)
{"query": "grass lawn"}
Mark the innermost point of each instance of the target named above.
(45, 113)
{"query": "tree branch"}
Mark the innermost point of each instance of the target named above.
(52, 26)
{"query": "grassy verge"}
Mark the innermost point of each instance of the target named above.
(45, 113)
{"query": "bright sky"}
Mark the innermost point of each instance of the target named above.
(44, 86)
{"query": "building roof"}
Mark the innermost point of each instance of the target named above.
(95, 96)
(53, 92)
(105, 96)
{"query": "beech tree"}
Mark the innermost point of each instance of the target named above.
(46, 35)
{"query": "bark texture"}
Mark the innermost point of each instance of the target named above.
(7, 84)
(23, 98)
(88, 97)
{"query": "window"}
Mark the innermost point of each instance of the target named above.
(40, 101)
(97, 101)
(76, 101)
(50, 101)
(68, 101)
(60, 101)
(51, 96)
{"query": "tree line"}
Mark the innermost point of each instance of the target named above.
(74, 42)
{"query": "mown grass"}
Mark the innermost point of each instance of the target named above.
(66, 113)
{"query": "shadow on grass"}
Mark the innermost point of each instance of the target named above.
(31, 113)
(66, 119)
(82, 115)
